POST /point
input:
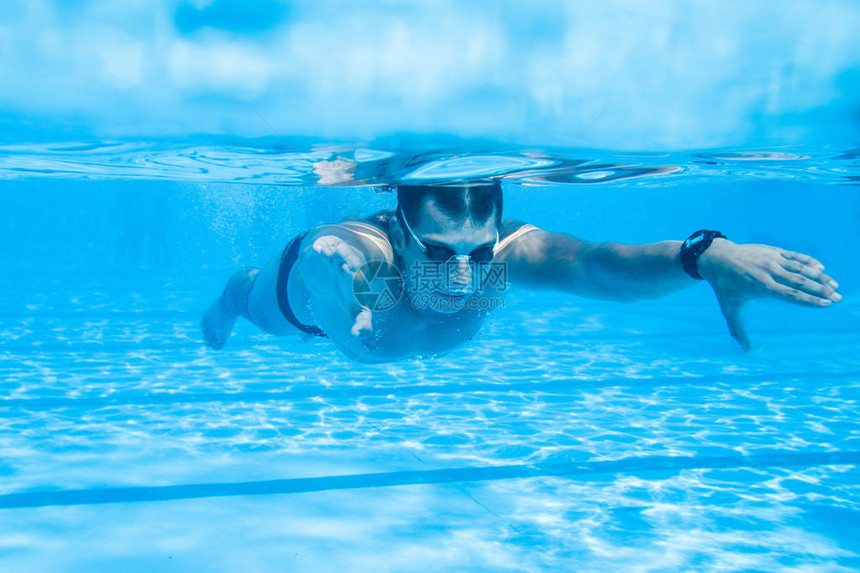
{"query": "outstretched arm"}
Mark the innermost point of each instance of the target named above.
(331, 256)
(612, 271)
(615, 271)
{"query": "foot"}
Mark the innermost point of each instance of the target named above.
(217, 324)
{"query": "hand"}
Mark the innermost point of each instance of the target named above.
(344, 262)
(739, 273)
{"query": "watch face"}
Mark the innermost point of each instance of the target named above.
(695, 240)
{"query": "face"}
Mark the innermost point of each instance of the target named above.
(434, 280)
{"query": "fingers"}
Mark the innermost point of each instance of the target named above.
(809, 271)
(732, 313)
(329, 245)
(326, 244)
(807, 280)
(350, 262)
(363, 323)
(797, 296)
(338, 251)
(801, 258)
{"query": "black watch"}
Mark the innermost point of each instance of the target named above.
(694, 246)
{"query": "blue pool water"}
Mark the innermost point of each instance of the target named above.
(571, 435)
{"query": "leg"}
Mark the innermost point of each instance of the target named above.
(218, 321)
(262, 307)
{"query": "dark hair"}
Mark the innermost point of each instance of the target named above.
(477, 201)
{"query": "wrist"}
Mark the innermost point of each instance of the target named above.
(694, 247)
(712, 257)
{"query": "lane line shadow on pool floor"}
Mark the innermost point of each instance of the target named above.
(98, 496)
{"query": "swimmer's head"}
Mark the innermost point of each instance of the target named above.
(440, 233)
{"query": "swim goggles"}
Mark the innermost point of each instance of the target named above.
(454, 282)
(443, 254)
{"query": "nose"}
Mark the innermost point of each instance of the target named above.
(460, 272)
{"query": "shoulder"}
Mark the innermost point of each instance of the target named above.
(375, 225)
(380, 219)
(513, 233)
(369, 234)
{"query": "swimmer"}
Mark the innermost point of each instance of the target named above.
(444, 255)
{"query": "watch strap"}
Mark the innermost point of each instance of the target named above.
(694, 246)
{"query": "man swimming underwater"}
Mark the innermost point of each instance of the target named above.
(450, 254)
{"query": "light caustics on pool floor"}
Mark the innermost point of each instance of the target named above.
(566, 429)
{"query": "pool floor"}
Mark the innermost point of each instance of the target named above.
(570, 435)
